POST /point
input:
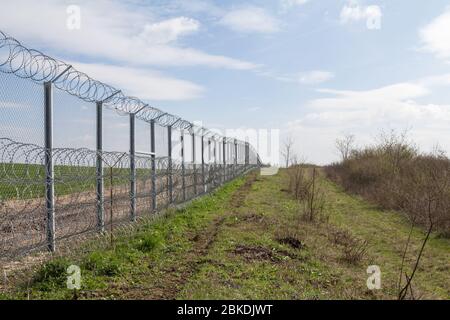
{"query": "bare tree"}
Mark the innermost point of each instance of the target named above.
(287, 150)
(345, 145)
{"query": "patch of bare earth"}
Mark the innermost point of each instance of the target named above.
(292, 242)
(259, 253)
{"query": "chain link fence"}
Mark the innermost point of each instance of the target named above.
(78, 156)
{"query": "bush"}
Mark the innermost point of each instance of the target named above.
(314, 203)
(104, 263)
(297, 181)
(304, 186)
(149, 242)
(52, 274)
(340, 237)
(354, 250)
(394, 175)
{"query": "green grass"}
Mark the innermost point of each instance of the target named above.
(387, 233)
(227, 246)
(153, 244)
(27, 181)
(317, 271)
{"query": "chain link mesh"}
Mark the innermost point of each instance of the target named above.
(92, 189)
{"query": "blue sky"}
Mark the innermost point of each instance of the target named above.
(313, 69)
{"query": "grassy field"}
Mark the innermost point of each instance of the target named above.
(248, 241)
(20, 181)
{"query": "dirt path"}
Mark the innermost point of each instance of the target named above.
(177, 276)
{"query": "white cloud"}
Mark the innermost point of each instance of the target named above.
(169, 30)
(117, 31)
(351, 13)
(387, 104)
(354, 12)
(371, 98)
(314, 77)
(436, 81)
(435, 36)
(250, 20)
(365, 113)
(141, 83)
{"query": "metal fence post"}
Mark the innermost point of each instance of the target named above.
(132, 167)
(169, 154)
(214, 151)
(203, 163)
(224, 160)
(211, 165)
(238, 156)
(216, 175)
(212, 173)
(183, 169)
(246, 156)
(153, 163)
(243, 156)
(49, 166)
(235, 158)
(99, 169)
(210, 152)
(194, 165)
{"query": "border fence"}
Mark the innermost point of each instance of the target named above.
(78, 155)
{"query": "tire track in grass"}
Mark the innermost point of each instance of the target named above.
(176, 277)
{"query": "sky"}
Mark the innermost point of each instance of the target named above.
(313, 69)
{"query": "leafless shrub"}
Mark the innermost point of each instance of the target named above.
(354, 250)
(434, 199)
(314, 203)
(297, 181)
(340, 237)
(305, 188)
(394, 175)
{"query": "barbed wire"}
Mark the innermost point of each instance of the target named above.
(22, 189)
(32, 64)
(24, 178)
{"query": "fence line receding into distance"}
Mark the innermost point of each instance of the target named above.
(77, 155)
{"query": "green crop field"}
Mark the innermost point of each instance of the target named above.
(24, 181)
(27, 181)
